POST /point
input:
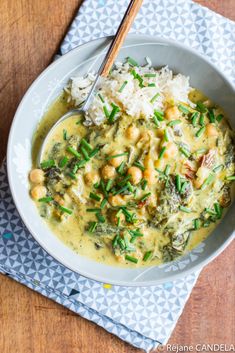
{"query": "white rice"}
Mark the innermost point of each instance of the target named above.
(133, 100)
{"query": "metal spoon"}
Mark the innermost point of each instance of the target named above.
(104, 69)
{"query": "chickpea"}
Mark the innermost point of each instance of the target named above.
(132, 133)
(108, 172)
(91, 178)
(36, 176)
(116, 200)
(115, 162)
(211, 130)
(38, 192)
(149, 175)
(171, 150)
(172, 113)
(136, 174)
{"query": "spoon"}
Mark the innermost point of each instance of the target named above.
(104, 69)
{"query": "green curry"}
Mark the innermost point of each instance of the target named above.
(134, 192)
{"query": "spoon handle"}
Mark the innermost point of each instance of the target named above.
(114, 48)
(120, 36)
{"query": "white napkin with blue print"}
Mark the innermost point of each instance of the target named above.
(145, 317)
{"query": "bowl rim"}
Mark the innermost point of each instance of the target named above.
(174, 276)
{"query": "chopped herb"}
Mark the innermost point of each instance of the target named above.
(120, 168)
(123, 86)
(218, 209)
(96, 185)
(150, 75)
(103, 188)
(174, 122)
(101, 97)
(202, 120)
(143, 198)
(63, 162)
(135, 234)
(197, 223)
(121, 243)
(109, 184)
(147, 255)
(183, 187)
(219, 117)
(138, 77)
(207, 181)
(139, 165)
(200, 132)
(72, 175)
(100, 217)
(166, 135)
(159, 114)
(132, 62)
(131, 259)
(194, 118)
(81, 163)
(46, 199)
(201, 107)
(94, 196)
(93, 210)
(75, 169)
(185, 152)
(201, 151)
(143, 184)
(161, 153)
(230, 178)
(120, 191)
(103, 203)
(85, 154)
(65, 209)
(218, 168)
(114, 111)
(151, 85)
(47, 164)
(94, 152)
(206, 224)
(185, 209)
(86, 145)
(178, 182)
(130, 187)
(92, 227)
(211, 115)
(183, 109)
(106, 112)
(115, 241)
(167, 170)
(130, 217)
(152, 100)
(210, 212)
(74, 152)
(116, 155)
(155, 120)
(65, 134)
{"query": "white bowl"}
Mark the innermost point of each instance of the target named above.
(47, 87)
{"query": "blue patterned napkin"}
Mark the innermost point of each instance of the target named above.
(146, 316)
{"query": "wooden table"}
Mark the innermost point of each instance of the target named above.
(30, 33)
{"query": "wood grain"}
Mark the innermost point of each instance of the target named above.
(30, 33)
